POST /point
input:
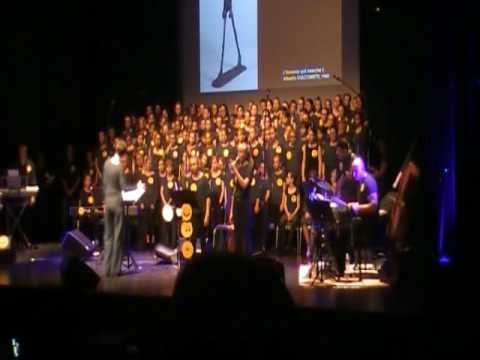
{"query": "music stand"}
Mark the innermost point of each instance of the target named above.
(129, 199)
(224, 78)
(321, 214)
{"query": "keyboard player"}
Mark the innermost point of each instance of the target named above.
(26, 167)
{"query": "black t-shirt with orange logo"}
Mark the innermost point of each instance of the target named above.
(200, 187)
(257, 154)
(277, 181)
(291, 160)
(292, 199)
(169, 184)
(151, 194)
(311, 158)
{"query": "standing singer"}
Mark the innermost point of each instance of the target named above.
(242, 171)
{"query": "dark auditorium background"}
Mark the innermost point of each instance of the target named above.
(71, 68)
(74, 67)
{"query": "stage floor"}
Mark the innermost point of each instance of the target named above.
(41, 267)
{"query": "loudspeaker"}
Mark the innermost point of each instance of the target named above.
(166, 253)
(75, 274)
(76, 244)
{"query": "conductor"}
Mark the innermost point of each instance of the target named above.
(113, 184)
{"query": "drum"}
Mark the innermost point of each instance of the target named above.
(167, 213)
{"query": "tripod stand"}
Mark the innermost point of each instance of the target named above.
(128, 261)
(318, 263)
(224, 78)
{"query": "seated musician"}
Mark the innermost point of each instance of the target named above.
(26, 167)
(291, 213)
(359, 189)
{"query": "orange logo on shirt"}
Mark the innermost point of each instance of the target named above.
(186, 229)
(187, 249)
(193, 187)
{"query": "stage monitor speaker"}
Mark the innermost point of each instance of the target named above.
(166, 253)
(76, 244)
(75, 274)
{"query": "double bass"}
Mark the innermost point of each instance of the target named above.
(405, 185)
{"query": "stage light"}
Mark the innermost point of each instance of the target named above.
(4, 242)
(444, 260)
(167, 213)
(178, 212)
(303, 273)
(378, 9)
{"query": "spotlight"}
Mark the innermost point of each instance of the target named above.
(378, 9)
(7, 251)
(167, 213)
(444, 260)
(178, 212)
(5, 243)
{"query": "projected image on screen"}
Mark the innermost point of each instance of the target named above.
(228, 45)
